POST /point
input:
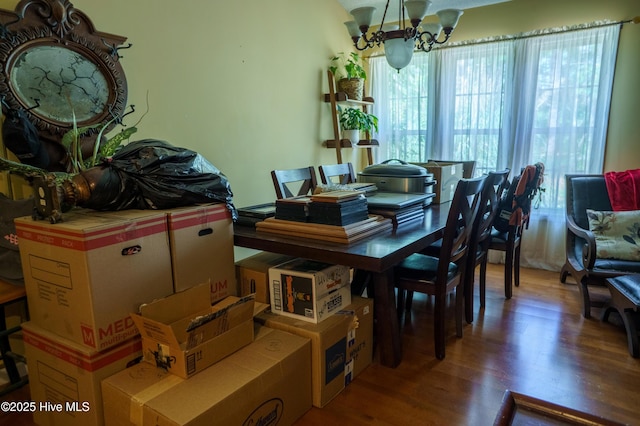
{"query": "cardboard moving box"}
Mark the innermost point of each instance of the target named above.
(265, 383)
(201, 241)
(84, 276)
(341, 346)
(65, 376)
(253, 274)
(184, 334)
(446, 176)
(309, 290)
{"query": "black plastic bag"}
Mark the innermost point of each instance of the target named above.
(20, 137)
(153, 174)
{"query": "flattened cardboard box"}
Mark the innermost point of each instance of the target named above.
(84, 276)
(265, 383)
(68, 375)
(309, 290)
(184, 334)
(201, 241)
(446, 176)
(253, 274)
(341, 346)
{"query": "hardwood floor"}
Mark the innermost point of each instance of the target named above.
(536, 344)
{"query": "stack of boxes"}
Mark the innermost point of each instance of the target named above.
(85, 276)
(107, 290)
(313, 300)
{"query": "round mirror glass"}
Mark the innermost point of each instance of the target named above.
(64, 82)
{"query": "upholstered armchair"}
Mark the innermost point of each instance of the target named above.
(588, 192)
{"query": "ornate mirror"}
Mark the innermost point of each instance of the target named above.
(56, 65)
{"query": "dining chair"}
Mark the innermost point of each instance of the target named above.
(440, 276)
(508, 238)
(344, 172)
(10, 294)
(481, 238)
(283, 179)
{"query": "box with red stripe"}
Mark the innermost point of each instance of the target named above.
(201, 241)
(65, 377)
(86, 275)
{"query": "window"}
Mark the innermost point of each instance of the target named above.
(506, 103)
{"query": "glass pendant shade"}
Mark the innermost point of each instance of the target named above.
(352, 27)
(363, 16)
(398, 52)
(432, 28)
(449, 17)
(417, 9)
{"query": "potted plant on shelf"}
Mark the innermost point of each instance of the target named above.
(355, 120)
(349, 73)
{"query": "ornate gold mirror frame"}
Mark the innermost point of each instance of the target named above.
(55, 65)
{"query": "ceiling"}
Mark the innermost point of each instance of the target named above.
(392, 13)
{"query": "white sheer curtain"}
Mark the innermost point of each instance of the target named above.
(538, 97)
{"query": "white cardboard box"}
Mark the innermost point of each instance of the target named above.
(201, 241)
(265, 383)
(184, 334)
(85, 275)
(66, 376)
(309, 290)
(446, 175)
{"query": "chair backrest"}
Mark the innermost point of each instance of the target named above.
(586, 192)
(457, 232)
(493, 188)
(344, 172)
(306, 176)
(468, 167)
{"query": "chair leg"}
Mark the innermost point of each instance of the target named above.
(630, 319)
(564, 273)
(439, 324)
(409, 300)
(508, 273)
(516, 266)
(586, 300)
(400, 303)
(483, 282)
(459, 308)
(468, 293)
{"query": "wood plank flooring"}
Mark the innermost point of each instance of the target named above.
(536, 344)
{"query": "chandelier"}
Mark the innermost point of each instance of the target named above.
(400, 40)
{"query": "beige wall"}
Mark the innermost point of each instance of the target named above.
(241, 81)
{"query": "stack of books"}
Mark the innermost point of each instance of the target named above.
(294, 208)
(402, 215)
(373, 225)
(338, 208)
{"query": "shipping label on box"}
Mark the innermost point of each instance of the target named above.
(184, 334)
(253, 274)
(66, 376)
(359, 337)
(84, 276)
(201, 241)
(309, 290)
(268, 382)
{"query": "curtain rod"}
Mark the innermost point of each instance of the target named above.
(535, 33)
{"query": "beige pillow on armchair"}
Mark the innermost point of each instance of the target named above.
(617, 234)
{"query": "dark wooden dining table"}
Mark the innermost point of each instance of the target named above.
(377, 254)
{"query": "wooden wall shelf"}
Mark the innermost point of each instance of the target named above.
(341, 98)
